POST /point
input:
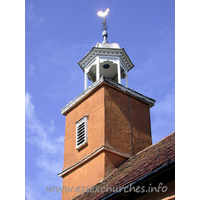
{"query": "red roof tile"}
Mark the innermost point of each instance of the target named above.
(137, 166)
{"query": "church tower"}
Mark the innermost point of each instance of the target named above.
(107, 123)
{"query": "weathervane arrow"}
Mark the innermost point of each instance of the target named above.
(104, 24)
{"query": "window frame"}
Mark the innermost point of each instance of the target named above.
(78, 123)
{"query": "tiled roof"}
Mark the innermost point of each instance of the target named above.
(137, 166)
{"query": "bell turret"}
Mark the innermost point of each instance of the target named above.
(106, 59)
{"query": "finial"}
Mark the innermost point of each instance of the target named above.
(104, 24)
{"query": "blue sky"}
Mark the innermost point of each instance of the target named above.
(58, 34)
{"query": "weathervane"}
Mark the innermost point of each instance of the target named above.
(104, 24)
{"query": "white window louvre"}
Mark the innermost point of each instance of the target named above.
(81, 132)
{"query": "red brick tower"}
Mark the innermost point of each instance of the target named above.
(105, 124)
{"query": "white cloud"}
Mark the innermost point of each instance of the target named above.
(49, 163)
(33, 19)
(31, 192)
(29, 107)
(41, 132)
(31, 70)
(49, 159)
(29, 12)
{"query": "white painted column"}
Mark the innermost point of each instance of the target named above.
(85, 80)
(126, 78)
(119, 71)
(97, 68)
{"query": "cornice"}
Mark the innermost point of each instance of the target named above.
(107, 52)
(98, 151)
(109, 82)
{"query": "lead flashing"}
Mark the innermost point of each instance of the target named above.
(112, 83)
